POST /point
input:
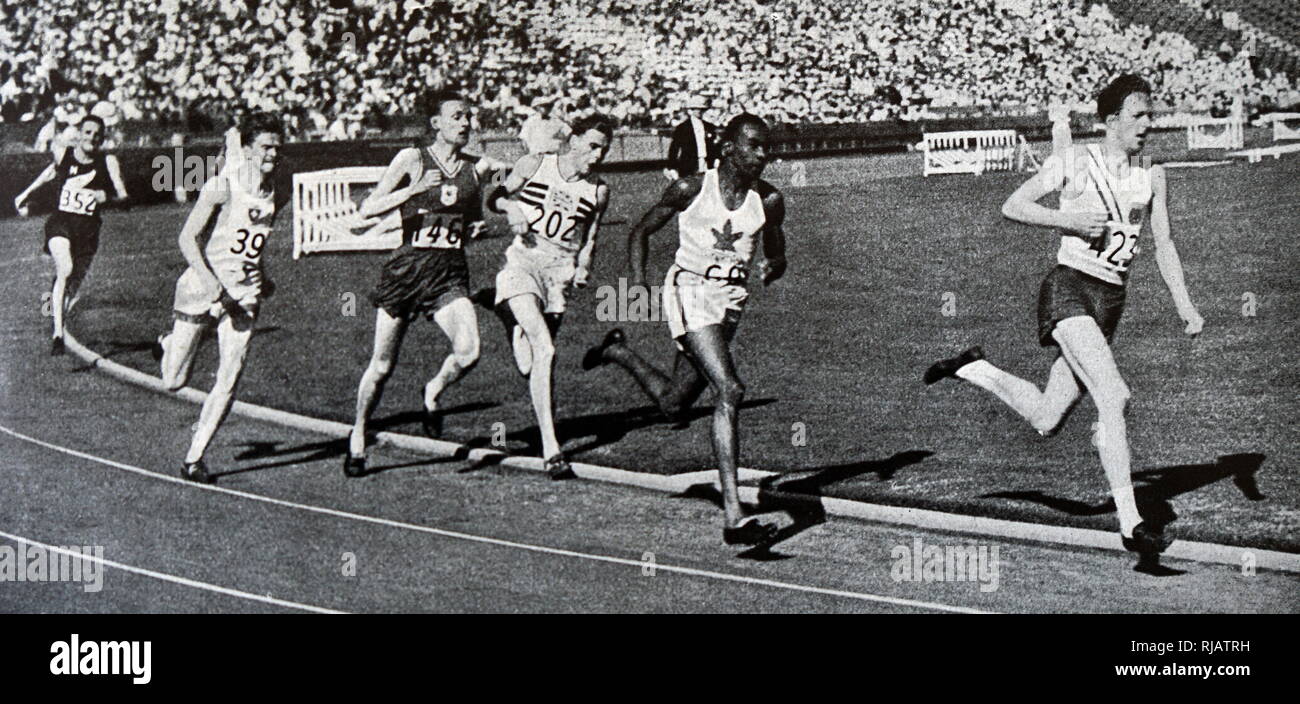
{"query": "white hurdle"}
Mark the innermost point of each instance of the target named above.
(325, 213)
(1281, 132)
(1216, 132)
(970, 152)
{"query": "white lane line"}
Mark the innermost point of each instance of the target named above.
(722, 576)
(170, 577)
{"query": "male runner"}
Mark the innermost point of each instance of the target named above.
(224, 284)
(1103, 200)
(83, 175)
(554, 210)
(441, 205)
(720, 213)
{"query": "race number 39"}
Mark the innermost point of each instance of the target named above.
(249, 243)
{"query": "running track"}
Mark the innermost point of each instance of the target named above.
(90, 461)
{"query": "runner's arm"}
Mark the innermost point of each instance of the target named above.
(589, 247)
(115, 175)
(387, 195)
(773, 265)
(1023, 205)
(676, 198)
(20, 202)
(1171, 266)
(210, 200)
(502, 199)
(486, 166)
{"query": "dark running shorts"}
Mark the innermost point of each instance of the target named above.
(81, 232)
(418, 282)
(1068, 292)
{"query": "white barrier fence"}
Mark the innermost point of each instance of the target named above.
(973, 152)
(1282, 131)
(326, 217)
(1215, 132)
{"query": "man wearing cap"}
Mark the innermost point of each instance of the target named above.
(112, 118)
(693, 149)
(61, 130)
(543, 132)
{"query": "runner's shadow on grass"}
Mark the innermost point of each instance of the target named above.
(309, 452)
(608, 428)
(799, 496)
(416, 417)
(481, 443)
(1153, 496)
(426, 462)
(813, 481)
(314, 452)
(1159, 486)
(117, 348)
(804, 515)
(1169, 482)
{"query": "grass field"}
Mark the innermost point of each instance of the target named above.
(838, 345)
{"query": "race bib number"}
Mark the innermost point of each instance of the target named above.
(249, 243)
(77, 200)
(554, 226)
(443, 232)
(1117, 246)
(733, 273)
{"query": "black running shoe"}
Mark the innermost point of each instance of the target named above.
(558, 468)
(750, 532)
(596, 355)
(1147, 540)
(56, 347)
(948, 367)
(196, 472)
(353, 467)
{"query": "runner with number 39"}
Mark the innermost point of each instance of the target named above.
(224, 285)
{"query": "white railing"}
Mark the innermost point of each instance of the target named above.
(326, 214)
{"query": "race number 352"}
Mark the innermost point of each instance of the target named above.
(77, 201)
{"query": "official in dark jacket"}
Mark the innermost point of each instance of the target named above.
(694, 145)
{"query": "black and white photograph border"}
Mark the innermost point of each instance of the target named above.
(619, 306)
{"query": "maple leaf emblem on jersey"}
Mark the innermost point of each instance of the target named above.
(725, 240)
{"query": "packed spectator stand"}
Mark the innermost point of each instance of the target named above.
(338, 69)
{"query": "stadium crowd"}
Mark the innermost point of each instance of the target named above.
(335, 69)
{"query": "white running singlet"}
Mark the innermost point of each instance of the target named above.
(716, 242)
(234, 252)
(558, 211)
(1125, 197)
